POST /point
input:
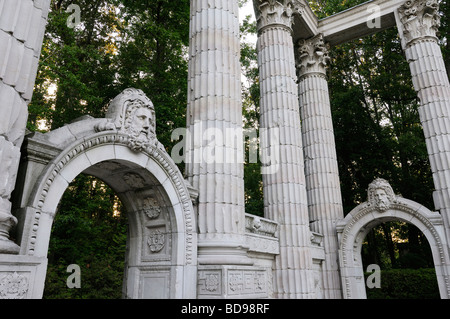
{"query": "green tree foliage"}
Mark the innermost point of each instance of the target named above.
(90, 230)
(406, 284)
(378, 134)
(118, 44)
(153, 56)
(254, 203)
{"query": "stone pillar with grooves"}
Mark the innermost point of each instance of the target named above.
(285, 199)
(418, 23)
(214, 150)
(321, 167)
(22, 27)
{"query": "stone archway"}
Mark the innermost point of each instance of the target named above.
(162, 256)
(383, 206)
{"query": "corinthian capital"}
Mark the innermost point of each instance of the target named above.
(312, 55)
(419, 19)
(277, 12)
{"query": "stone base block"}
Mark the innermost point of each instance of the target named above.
(234, 282)
(22, 277)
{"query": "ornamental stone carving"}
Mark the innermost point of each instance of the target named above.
(273, 12)
(380, 195)
(151, 207)
(419, 19)
(212, 282)
(13, 286)
(312, 55)
(133, 113)
(9, 159)
(134, 180)
(156, 241)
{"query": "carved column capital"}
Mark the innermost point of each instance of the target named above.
(277, 12)
(419, 19)
(312, 56)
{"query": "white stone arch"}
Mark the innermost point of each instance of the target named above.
(123, 151)
(89, 154)
(356, 225)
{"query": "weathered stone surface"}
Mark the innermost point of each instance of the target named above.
(383, 205)
(291, 254)
(321, 167)
(285, 199)
(214, 163)
(418, 24)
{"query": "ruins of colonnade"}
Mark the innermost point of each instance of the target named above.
(191, 238)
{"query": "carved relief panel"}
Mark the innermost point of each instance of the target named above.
(156, 226)
(234, 282)
(13, 286)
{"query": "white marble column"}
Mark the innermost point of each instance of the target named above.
(321, 167)
(418, 23)
(285, 199)
(22, 26)
(214, 158)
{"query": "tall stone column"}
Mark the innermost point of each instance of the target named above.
(285, 199)
(22, 25)
(418, 23)
(321, 167)
(214, 155)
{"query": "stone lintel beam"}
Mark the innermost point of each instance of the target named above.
(359, 21)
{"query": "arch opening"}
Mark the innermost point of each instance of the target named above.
(152, 239)
(90, 232)
(403, 262)
(384, 206)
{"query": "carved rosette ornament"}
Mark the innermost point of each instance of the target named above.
(312, 55)
(420, 19)
(132, 113)
(156, 241)
(151, 208)
(277, 12)
(13, 286)
(380, 195)
(212, 282)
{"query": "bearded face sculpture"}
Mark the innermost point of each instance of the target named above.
(140, 125)
(132, 113)
(380, 194)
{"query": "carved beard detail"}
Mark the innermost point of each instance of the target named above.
(138, 141)
(140, 127)
(382, 205)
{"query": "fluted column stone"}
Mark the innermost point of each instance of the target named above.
(418, 24)
(285, 199)
(321, 167)
(214, 156)
(22, 27)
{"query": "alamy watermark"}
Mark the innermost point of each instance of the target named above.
(374, 18)
(74, 19)
(201, 145)
(374, 279)
(74, 280)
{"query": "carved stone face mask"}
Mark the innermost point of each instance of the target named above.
(142, 122)
(382, 201)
